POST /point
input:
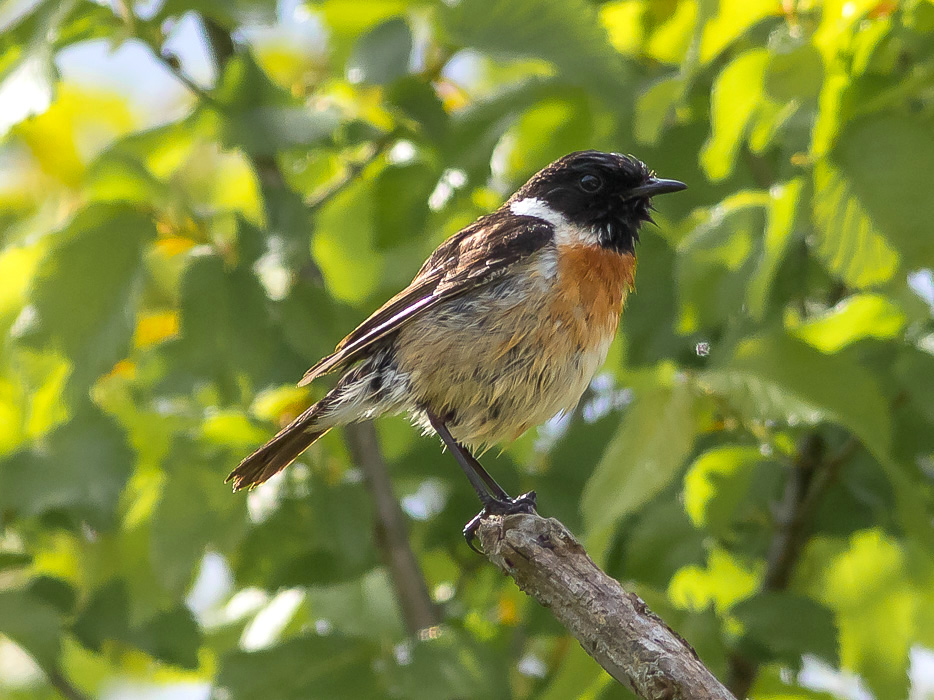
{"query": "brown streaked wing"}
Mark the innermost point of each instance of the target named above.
(475, 256)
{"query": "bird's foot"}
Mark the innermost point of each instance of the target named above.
(525, 503)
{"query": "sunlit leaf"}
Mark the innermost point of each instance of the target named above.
(722, 583)
(780, 230)
(848, 241)
(776, 377)
(86, 284)
(716, 484)
(675, 29)
(716, 259)
(654, 108)
(736, 96)
(568, 34)
(886, 162)
(622, 19)
(867, 586)
(856, 317)
(732, 20)
(651, 445)
(345, 224)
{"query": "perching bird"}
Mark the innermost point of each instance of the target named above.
(503, 327)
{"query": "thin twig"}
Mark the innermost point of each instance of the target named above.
(354, 168)
(614, 626)
(65, 687)
(418, 610)
(170, 61)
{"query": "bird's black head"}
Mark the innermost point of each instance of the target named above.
(606, 193)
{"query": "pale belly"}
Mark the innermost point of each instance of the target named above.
(492, 368)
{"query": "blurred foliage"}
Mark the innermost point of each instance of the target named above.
(755, 461)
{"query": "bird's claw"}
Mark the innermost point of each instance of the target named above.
(526, 503)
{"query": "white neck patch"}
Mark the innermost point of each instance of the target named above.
(530, 206)
(566, 233)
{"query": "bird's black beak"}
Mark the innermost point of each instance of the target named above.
(655, 186)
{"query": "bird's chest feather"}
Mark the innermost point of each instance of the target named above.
(590, 286)
(515, 354)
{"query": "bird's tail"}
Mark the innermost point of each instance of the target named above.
(282, 450)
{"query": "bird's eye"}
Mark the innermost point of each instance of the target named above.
(590, 183)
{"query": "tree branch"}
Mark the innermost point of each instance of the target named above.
(392, 535)
(811, 474)
(64, 686)
(614, 626)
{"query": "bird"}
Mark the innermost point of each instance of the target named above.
(502, 328)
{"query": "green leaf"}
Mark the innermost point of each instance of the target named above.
(346, 224)
(85, 290)
(172, 636)
(226, 329)
(33, 624)
(716, 258)
(382, 54)
(723, 582)
(848, 242)
(81, 470)
(255, 114)
(449, 667)
(853, 319)
(567, 34)
(785, 626)
(400, 206)
(780, 233)
(654, 439)
(365, 607)
(57, 592)
(347, 20)
(545, 132)
(477, 128)
(119, 177)
(914, 371)
(870, 588)
(737, 95)
(795, 74)
(227, 13)
(659, 541)
(324, 668)
(421, 104)
(655, 106)
(888, 162)
(322, 539)
(716, 485)
(104, 617)
(733, 19)
(14, 560)
(193, 513)
(773, 376)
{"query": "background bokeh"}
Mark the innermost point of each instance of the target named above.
(199, 198)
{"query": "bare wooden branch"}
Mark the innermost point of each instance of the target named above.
(418, 610)
(614, 626)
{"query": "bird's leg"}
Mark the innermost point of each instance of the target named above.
(491, 494)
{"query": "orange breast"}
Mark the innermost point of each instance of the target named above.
(592, 284)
